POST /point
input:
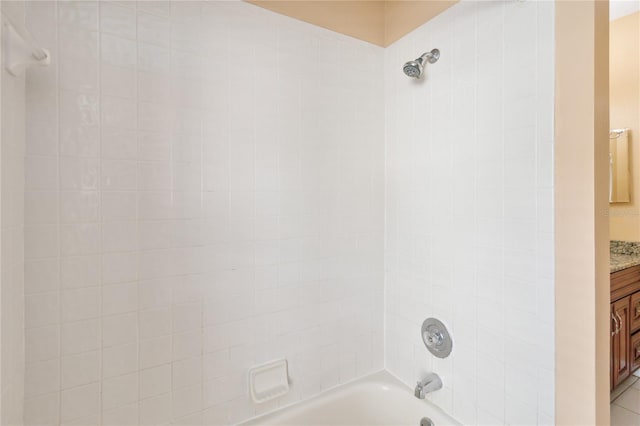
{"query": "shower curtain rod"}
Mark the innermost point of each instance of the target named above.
(615, 133)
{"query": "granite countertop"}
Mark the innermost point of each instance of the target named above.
(624, 254)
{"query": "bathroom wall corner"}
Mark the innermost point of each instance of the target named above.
(581, 213)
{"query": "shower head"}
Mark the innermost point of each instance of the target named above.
(414, 68)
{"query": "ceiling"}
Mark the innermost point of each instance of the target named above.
(378, 22)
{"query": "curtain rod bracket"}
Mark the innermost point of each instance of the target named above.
(20, 49)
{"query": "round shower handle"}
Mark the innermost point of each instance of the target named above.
(434, 338)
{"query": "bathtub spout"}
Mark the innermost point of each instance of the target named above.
(429, 384)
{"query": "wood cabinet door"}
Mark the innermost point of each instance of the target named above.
(634, 312)
(613, 348)
(634, 356)
(620, 350)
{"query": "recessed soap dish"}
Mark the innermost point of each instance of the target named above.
(268, 381)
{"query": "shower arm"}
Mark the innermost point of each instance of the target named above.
(431, 57)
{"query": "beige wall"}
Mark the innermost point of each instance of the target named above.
(624, 98)
(378, 22)
(581, 186)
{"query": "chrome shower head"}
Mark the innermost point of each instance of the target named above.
(414, 68)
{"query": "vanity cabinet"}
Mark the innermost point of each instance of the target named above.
(620, 340)
(625, 324)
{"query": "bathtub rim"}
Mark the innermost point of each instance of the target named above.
(377, 375)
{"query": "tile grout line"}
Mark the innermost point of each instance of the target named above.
(58, 227)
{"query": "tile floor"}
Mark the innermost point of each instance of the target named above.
(625, 403)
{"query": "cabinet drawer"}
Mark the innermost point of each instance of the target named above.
(635, 351)
(634, 312)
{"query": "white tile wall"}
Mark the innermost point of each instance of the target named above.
(197, 202)
(12, 319)
(469, 212)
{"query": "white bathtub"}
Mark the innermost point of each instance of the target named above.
(377, 399)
